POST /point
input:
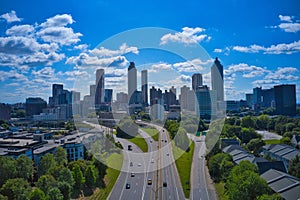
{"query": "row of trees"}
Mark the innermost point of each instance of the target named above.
(55, 178)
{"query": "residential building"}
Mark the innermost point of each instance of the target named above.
(5, 111)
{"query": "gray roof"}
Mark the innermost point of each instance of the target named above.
(231, 148)
(284, 184)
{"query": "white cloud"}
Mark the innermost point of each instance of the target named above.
(282, 48)
(283, 73)
(218, 50)
(187, 36)
(159, 66)
(58, 21)
(285, 18)
(248, 71)
(196, 65)
(20, 30)
(12, 75)
(290, 27)
(46, 72)
(11, 17)
(123, 49)
(81, 47)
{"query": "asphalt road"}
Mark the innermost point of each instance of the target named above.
(198, 184)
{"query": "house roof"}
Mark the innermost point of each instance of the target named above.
(266, 165)
(284, 184)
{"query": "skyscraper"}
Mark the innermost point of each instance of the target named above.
(285, 99)
(145, 88)
(99, 95)
(132, 82)
(217, 80)
(196, 81)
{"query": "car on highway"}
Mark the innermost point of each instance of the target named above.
(165, 184)
(132, 174)
(152, 160)
(127, 186)
(131, 164)
(167, 154)
(139, 164)
(149, 182)
(165, 141)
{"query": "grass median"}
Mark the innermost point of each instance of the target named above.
(140, 142)
(153, 132)
(112, 174)
(183, 162)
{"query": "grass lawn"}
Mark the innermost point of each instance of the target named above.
(272, 142)
(140, 142)
(110, 178)
(153, 132)
(221, 191)
(184, 164)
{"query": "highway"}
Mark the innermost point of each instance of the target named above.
(198, 183)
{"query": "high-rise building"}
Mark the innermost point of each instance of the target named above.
(172, 96)
(285, 99)
(145, 88)
(217, 80)
(155, 94)
(75, 96)
(204, 102)
(93, 90)
(132, 82)
(99, 95)
(122, 97)
(108, 95)
(5, 111)
(196, 81)
(34, 106)
(249, 100)
(184, 97)
(57, 89)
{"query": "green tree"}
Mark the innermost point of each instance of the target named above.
(16, 189)
(46, 182)
(91, 175)
(262, 122)
(294, 167)
(245, 183)
(2, 197)
(61, 156)
(24, 167)
(7, 169)
(78, 177)
(248, 122)
(47, 162)
(55, 194)
(247, 134)
(255, 145)
(65, 189)
(270, 197)
(181, 139)
(37, 194)
(66, 175)
(219, 166)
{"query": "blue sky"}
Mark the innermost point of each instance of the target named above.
(45, 42)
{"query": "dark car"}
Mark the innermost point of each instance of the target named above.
(149, 182)
(131, 164)
(132, 174)
(165, 184)
(127, 186)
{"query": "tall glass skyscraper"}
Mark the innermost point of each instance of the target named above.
(145, 88)
(217, 80)
(99, 95)
(132, 82)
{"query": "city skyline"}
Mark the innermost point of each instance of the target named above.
(255, 50)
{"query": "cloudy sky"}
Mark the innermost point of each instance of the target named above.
(46, 42)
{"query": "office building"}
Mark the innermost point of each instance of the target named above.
(204, 102)
(184, 97)
(122, 97)
(285, 99)
(108, 95)
(145, 88)
(34, 106)
(196, 81)
(217, 80)
(132, 82)
(75, 96)
(99, 95)
(5, 111)
(93, 90)
(249, 100)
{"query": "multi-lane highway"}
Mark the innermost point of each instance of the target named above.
(199, 185)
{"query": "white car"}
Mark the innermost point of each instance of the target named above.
(152, 160)
(139, 164)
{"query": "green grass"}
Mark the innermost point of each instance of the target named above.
(112, 174)
(140, 142)
(184, 163)
(272, 142)
(221, 191)
(153, 132)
